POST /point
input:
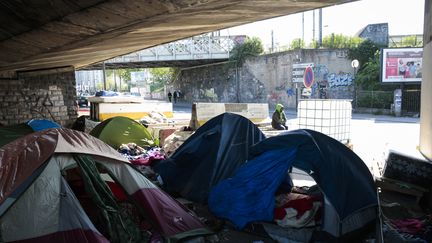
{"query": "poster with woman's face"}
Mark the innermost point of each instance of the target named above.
(402, 65)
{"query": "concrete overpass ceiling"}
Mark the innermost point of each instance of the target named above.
(40, 34)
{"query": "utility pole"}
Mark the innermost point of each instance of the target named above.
(272, 42)
(320, 28)
(303, 27)
(313, 25)
(104, 75)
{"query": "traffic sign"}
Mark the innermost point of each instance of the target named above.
(308, 77)
(298, 71)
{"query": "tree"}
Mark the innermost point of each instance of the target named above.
(368, 77)
(297, 43)
(341, 41)
(251, 47)
(161, 77)
(313, 44)
(363, 52)
(411, 41)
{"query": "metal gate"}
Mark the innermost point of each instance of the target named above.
(411, 101)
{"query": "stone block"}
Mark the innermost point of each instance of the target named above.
(59, 103)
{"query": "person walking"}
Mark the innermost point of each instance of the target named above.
(169, 96)
(176, 96)
(279, 118)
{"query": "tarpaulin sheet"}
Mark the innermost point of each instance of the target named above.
(249, 195)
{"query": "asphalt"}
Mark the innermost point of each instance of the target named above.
(182, 108)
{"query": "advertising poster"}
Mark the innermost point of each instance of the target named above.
(401, 65)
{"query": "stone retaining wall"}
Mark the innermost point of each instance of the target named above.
(48, 94)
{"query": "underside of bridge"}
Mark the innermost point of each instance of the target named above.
(42, 34)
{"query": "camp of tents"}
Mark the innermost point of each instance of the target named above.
(62, 185)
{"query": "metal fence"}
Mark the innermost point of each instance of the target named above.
(374, 99)
(411, 101)
(384, 100)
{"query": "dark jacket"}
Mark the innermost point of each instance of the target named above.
(278, 116)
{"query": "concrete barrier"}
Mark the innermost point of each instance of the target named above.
(202, 112)
(102, 108)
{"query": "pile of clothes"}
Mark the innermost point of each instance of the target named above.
(140, 156)
(298, 210)
(154, 118)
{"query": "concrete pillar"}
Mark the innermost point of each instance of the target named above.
(43, 94)
(426, 87)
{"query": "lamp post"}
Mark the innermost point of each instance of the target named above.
(355, 64)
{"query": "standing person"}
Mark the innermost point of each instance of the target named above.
(169, 96)
(279, 118)
(176, 95)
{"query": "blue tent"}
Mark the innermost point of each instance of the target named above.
(350, 200)
(42, 124)
(213, 153)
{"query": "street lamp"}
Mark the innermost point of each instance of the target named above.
(355, 64)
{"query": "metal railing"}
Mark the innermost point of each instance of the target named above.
(195, 48)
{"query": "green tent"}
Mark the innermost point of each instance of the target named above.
(121, 130)
(10, 133)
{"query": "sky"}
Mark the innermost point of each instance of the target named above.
(405, 17)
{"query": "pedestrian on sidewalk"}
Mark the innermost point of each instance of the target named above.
(279, 118)
(169, 96)
(176, 95)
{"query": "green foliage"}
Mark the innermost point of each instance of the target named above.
(314, 44)
(123, 77)
(297, 43)
(411, 41)
(161, 77)
(251, 47)
(368, 77)
(341, 41)
(363, 52)
(375, 99)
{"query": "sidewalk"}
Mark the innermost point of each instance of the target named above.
(182, 107)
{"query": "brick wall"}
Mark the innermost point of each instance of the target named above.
(48, 94)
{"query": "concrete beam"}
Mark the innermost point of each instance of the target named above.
(58, 33)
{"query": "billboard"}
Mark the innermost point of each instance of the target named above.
(401, 65)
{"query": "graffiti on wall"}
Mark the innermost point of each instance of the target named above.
(290, 92)
(38, 103)
(341, 79)
(320, 72)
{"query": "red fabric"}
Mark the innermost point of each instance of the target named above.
(410, 226)
(76, 235)
(169, 217)
(147, 160)
(299, 202)
(117, 191)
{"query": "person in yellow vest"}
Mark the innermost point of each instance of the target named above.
(279, 118)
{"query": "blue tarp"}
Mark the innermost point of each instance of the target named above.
(106, 93)
(39, 125)
(341, 175)
(249, 195)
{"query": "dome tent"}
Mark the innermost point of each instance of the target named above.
(350, 199)
(211, 154)
(121, 130)
(36, 185)
(10, 133)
